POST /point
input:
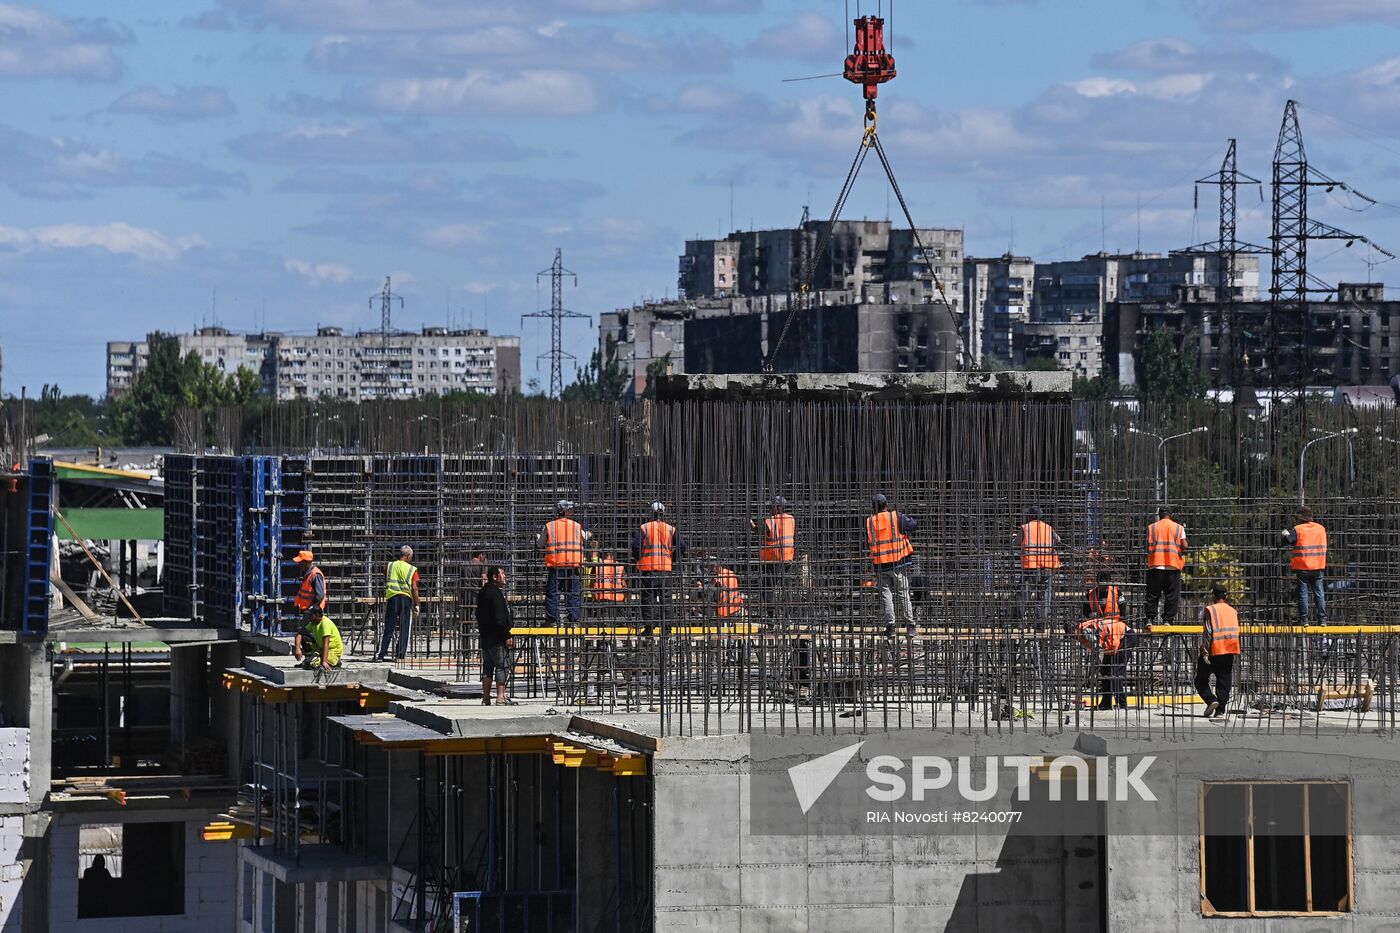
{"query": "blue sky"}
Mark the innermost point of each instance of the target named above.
(286, 155)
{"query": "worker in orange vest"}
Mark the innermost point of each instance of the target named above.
(1038, 544)
(1309, 542)
(562, 542)
(609, 584)
(312, 591)
(777, 554)
(1166, 558)
(1220, 646)
(728, 598)
(1103, 630)
(656, 547)
(887, 537)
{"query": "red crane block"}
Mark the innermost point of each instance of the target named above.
(870, 65)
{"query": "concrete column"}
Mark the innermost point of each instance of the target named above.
(595, 846)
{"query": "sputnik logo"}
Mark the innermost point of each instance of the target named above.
(811, 779)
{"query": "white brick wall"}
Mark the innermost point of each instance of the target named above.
(14, 765)
(11, 876)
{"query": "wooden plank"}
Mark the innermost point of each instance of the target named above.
(1249, 841)
(73, 598)
(98, 564)
(1307, 843)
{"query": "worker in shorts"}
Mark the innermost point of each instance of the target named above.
(493, 624)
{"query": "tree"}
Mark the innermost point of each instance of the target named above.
(602, 380)
(1166, 372)
(70, 420)
(146, 413)
(1042, 364)
(655, 370)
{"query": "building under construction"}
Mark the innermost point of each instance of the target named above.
(224, 787)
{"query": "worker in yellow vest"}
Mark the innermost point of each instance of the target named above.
(1038, 544)
(400, 600)
(1220, 648)
(318, 642)
(1166, 559)
(562, 541)
(1309, 542)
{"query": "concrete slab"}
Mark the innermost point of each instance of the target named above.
(286, 671)
(470, 718)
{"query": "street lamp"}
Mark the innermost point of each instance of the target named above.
(1162, 454)
(1302, 459)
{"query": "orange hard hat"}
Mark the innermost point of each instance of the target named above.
(303, 557)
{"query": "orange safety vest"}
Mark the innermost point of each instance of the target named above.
(563, 543)
(1038, 547)
(888, 544)
(779, 538)
(609, 584)
(1222, 634)
(657, 545)
(731, 601)
(1310, 549)
(1103, 634)
(1165, 540)
(307, 593)
(1109, 607)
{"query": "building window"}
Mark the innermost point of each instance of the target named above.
(131, 870)
(1276, 849)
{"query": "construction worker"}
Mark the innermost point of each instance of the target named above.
(1166, 558)
(609, 584)
(777, 554)
(1038, 544)
(318, 642)
(494, 629)
(1220, 646)
(887, 537)
(728, 598)
(400, 600)
(1103, 630)
(562, 541)
(656, 547)
(1309, 542)
(313, 583)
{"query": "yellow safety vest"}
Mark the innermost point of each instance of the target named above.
(399, 579)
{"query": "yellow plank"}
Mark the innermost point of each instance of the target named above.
(1284, 630)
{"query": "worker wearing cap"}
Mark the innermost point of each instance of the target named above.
(1309, 542)
(656, 547)
(400, 599)
(1166, 559)
(562, 541)
(313, 583)
(887, 538)
(1220, 647)
(1038, 545)
(318, 642)
(778, 553)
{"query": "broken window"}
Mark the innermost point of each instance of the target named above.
(1276, 848)
(131, 870)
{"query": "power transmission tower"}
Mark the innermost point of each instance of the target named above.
(386, 299)
(556, 315)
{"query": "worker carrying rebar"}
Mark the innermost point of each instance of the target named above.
(1166, 559)
(1038, 544)
(777, 555)
(656, 547)
(1104, 632)
(1309, 542)
(562, 541)
(887, 538)
(1220, 647)
(400, 600)
(609, 582)
(312, 591)
(725, 595)
(318, 642)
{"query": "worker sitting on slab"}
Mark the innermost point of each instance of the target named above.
(562, 541)
(318, 642)
(493, 625)
(400, 600)
(656, 547)
(1220, 647)
(1103, 631)
(1037, 543)
(778, 555)
(313, 583)
(1166, 559)
(1309, 542)
(887, 536)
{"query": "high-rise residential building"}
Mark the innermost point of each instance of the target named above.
(331, 363)
(997, 295)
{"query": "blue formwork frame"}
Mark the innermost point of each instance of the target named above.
(289, 523)
(262, 556)
(38, 547)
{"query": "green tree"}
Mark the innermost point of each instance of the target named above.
(70, 420)
(602, 380)
(1166, 373)
(145, 414)
(1041, 364)
(657, 368)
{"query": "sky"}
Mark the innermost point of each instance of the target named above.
(266, 163)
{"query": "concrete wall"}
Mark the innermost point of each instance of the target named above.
(209, 877)
(268, 905)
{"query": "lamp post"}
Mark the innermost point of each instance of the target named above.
(1163, 488)
(1302, 459)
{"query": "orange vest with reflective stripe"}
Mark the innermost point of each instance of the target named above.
(887, 543)
(1310, 550)
(730, 599)
(563, 543)
(1038, 547)
(1104, 634)
(1222, 635)
(307, 594)
(1164, 540)
(1108, 607)
(658, 539)
(608, 582)
(779, 538)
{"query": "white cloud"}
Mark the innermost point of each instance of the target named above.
(118, 238)
(317, 274)
(1253, 15)
(536, 92)
(178, 106)
(806, 37)
(36, 44)
(389, 16)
